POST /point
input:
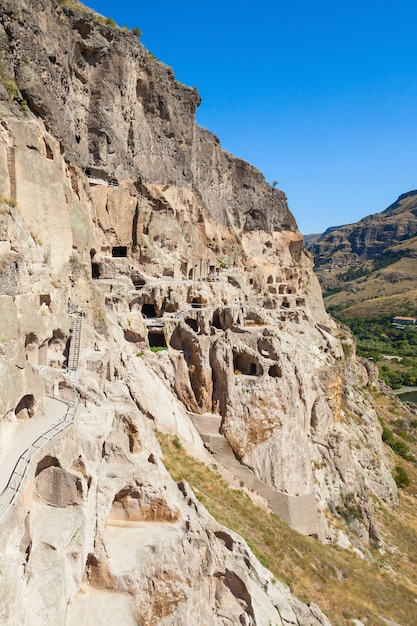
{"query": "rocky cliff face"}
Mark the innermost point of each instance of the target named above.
(201, 316)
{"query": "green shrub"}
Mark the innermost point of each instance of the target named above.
(8, 83)
(400, 447)
(177, 443)
(401, 477)
(101, 321)
(136, 31)
(397, 445)
(348, 509)
(387, 435)
(353, 273)
(110, 22)
(347, 349)
(158, 348)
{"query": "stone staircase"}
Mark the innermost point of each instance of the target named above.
(299, 512)
(74, 349)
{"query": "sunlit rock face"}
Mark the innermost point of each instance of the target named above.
(201, 315)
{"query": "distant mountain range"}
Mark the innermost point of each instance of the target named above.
(370, 266)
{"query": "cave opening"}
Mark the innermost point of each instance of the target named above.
(193, 324)
(95, 267)
(119, 252)
(45, 299)
(30, 339)
(246, 364)
(156, 339)
(275, 371)
(148, 310)
(24, 408)
(138, 283)
(49, 153)
(31, 349)
(216, 321)
(196, 303)
(95, 271)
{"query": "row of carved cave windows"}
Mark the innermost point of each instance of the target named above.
(243, 363)
(119, 252)
(149, 310)
(289, 275)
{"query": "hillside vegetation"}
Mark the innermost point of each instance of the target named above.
(368, 275)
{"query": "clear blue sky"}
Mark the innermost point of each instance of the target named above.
(320, 96)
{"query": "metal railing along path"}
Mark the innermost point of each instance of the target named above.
(20, 470)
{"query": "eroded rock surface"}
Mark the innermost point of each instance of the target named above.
(200, 315)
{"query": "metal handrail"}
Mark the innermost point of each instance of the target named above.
(22, 464)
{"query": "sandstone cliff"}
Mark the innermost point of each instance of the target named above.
(117, 208)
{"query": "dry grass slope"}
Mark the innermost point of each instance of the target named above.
(344, 585)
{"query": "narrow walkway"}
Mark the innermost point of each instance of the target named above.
(25, 434)
(27, 439)
(299, 512)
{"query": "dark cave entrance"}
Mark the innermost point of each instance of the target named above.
(138, 283)
(95, 271)
(156, 339)
(119, 252)
(275, 371)
(246, 364)
(148, 310)
(216, 321)
(193, 324)
(196, 303)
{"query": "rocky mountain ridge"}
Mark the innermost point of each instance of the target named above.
(370, 237)
(372, 261)
(198, 302)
